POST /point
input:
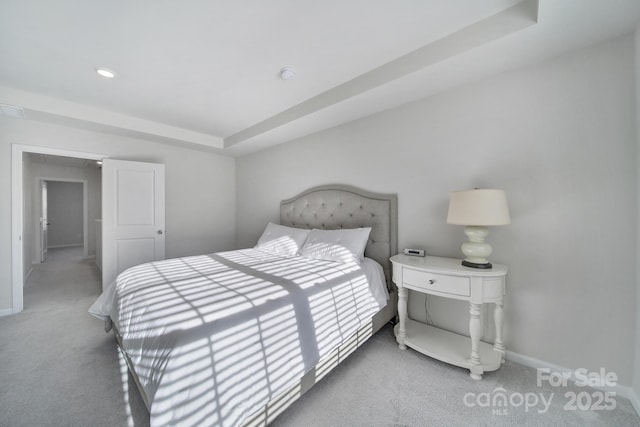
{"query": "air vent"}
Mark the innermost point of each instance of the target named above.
(11, 111)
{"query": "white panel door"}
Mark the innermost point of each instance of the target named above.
(132, 215)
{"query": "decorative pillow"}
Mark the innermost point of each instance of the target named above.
(283, 240)
(346, 245)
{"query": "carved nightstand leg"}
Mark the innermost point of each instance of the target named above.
(498, 317)
(402, 315)
(475, 330)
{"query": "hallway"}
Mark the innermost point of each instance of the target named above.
(63, 275)
(72, 253)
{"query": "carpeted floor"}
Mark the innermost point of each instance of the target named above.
(59, 368)
(57, 365)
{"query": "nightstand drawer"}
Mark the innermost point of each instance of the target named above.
(454, 285)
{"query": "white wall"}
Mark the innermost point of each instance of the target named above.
(65, 214)
(559, 137)
(200, 187)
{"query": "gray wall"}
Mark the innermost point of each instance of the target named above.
(199, 187)
(559, 137)
(65, 214)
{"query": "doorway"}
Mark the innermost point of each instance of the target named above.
(63, 217)
(61, 204)
(24, 186)
(129, 184)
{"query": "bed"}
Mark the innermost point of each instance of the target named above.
(234, 338)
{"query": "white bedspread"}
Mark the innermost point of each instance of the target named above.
(214, 337)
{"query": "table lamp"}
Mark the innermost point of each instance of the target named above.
(476, 209)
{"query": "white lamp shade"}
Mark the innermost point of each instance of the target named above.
(478, 207)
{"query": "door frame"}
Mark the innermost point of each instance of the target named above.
(40, 196)
(17, 209)
(85, 210)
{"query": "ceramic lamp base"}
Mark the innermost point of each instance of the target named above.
(476, 250)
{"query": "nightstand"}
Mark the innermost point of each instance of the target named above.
(446, 277)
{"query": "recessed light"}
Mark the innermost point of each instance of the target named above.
(105, 72)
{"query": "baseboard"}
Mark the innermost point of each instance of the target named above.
(620, 390)
(74, 245)
(6, 312)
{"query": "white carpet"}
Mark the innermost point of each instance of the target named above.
(57, 365)
(59, 368)
(381, 385)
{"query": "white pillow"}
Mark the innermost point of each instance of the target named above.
(346, 245)
(283, 240)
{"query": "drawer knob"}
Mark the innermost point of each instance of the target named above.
(431, 281)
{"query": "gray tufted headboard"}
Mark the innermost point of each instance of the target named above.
(341, 206)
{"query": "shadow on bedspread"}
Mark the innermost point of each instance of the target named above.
(204, 365)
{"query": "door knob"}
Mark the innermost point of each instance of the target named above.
(159, 231)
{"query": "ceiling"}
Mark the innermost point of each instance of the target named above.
(205, 73)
